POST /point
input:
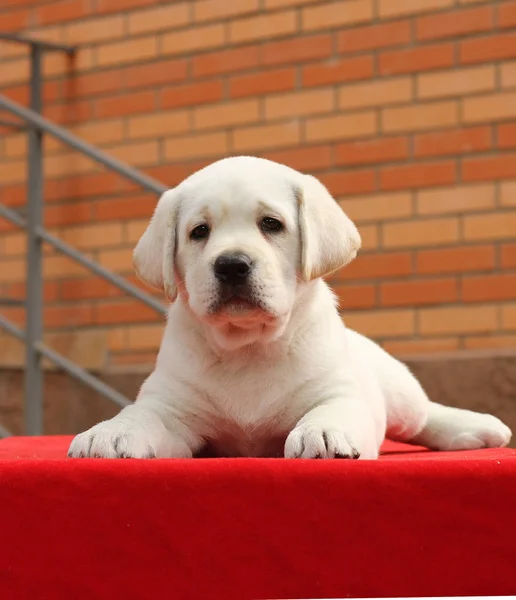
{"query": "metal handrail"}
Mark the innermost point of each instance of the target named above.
(69, 366)
(36, 125)
(67, 250)
(42, 124)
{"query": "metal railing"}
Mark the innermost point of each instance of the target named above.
(36, 125)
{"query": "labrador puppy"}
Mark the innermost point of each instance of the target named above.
(255, 359)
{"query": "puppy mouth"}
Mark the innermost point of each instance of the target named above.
(237, 301)
(237, 305)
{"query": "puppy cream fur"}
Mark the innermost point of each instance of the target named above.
(274, 372)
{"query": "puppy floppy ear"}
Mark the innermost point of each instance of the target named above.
(329, 239)
(153, 256)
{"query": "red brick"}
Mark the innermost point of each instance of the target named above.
(372, 151)
(172, 174)
(452, 141)
(345, 69)
(126, 104)
(14, 314)
(389, 9)
(456, 23)
(51, 91)
(85, 32)
(336, 14)
(506, 135)
(105, 6)
(378, 207)
(85, 186)
(372, 37)
(68, 315)
(417, 233)
(487, 288)
(456, 260)
(507, 193)
(425, 346)
(13, 195)
(67, 214)
(155, 73)
(355, 296)
(502, 166)
(264, 82)
(64, 10)
(370, 236)
(194, 40)
(286, 134)
(69, 112)
(125, 208)
(434, 56)
(14, 21)
(5, 227)
(237, 112)
(206, 10)
(19, 3)
(419, 292)
(88, 288)
(508, 256)
(456, 199)
(489, 107)
(418, 175)
(458, 319)
(343, 126)
(125, 312)
(18, 290)
(263, 26)
(373, 266)
(193, 93)
(173, 14)
(305, 158)
(490, 226)
(299, 103)
(489, 342)
(226, 61)
(92, 84)
(134, 358)
(507, 15)
(297, 50)
(487, 49)
(456, 82)
(350, 182)
(17, 93)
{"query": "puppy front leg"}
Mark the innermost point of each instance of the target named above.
(340, 428)
(152, 427)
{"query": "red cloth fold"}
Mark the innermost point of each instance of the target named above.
(413, 523)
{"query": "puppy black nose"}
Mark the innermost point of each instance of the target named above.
(232, 268)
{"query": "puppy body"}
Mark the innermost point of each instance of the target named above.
(245, 403)
(262, 365)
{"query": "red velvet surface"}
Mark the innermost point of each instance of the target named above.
(414, 523)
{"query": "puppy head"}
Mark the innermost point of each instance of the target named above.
(237, 239)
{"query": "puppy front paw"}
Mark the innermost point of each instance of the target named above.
(317, 441)
(127, 439)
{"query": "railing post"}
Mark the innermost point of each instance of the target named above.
(34, 284)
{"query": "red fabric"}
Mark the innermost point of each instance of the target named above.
(414, 523)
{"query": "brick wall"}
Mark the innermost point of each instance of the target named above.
(406, 110)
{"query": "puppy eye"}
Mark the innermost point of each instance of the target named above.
(200, 232)
(271, 225)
